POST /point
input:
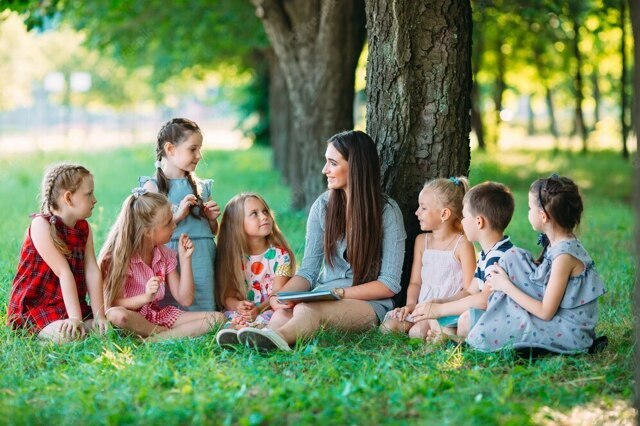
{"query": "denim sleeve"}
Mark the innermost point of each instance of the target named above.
(314, 244)
(393, 240)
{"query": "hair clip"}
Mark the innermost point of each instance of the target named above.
(157, 164)
(543, 240)
(455, 180)
(554, 176)
(137, 192)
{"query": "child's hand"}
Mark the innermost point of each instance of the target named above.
(250, 314)
(72, 329)
(185, 246)
(401, 313)
(100, 326)
(151, 287)
(497, 279)
(244, 306)
(185, 205)
(211, 210)
(426, 310)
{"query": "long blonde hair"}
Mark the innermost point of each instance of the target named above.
(57, 179)
(233, 248)
(127, 237)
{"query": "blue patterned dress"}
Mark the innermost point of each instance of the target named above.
(204, 255)
(572, 329)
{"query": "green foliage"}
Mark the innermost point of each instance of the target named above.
(331, 378)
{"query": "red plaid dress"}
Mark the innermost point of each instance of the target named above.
(36, 295)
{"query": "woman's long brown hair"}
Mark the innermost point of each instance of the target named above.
(360, 219)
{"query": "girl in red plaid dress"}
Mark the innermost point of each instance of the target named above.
(58, 262)
(136, 265)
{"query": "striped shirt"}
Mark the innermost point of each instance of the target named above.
(164, 262)
(492, 256)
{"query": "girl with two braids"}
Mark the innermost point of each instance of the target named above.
(57, 264)
(178, 152)
(550, 303)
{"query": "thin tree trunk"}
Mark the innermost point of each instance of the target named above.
(623, 81)
(597, 96)
(553, 127)
(634, 8)
(531, 125)
(279, 119)
(418, 96)
(500, 86)
(581, 127)
(476, 102)
(476, 116)
(318, 43)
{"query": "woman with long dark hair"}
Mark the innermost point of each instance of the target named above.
(354, 247)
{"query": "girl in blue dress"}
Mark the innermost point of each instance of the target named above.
(178, 152)
(551, 303)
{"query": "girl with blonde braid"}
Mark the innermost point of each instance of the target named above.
(58, 263)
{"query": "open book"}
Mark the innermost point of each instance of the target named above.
(306, 296)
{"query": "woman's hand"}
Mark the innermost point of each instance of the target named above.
(402, 313)
(426, 310)
(185, 205)
(497, 279)
(275, 305)
(185, 246)
(72, 328)
(151, 288)
(211, 210)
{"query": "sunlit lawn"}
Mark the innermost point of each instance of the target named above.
(331, 379)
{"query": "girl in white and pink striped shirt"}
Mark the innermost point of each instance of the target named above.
(136, 266)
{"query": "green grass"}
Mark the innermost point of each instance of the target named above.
(333, 378)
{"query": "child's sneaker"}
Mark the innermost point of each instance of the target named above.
(227, 337)
(262, 338)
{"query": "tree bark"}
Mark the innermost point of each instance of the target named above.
(499, 88)
(318, 43)
(553, 127)
(634, 9)
(418, 96)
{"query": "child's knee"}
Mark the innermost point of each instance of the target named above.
(390, 325)
(118, 316)
(419, 330)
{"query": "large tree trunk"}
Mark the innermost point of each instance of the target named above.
(634, 8)
(318, 43)
(418, 96)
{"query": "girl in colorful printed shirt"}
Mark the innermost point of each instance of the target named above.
(136, 265)
(254, 261)
(58, 263)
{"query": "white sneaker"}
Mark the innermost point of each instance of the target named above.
(262, 338)
(227, 337)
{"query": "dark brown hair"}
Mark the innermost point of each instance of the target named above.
(560, 199)
(360, 220)
(176, 131)
(494, 202)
